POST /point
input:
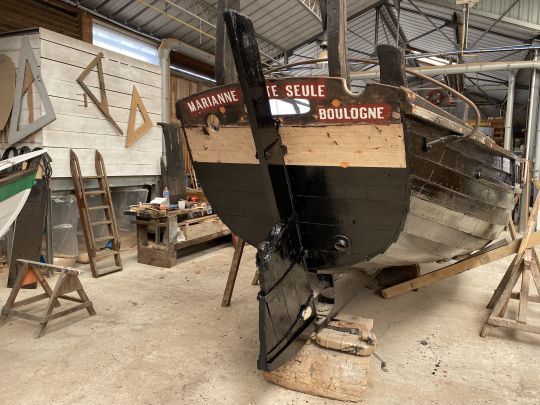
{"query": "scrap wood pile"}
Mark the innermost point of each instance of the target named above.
(193, 209)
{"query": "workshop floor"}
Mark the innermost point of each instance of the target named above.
(161, 337)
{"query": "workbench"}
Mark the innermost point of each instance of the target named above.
(159, 233)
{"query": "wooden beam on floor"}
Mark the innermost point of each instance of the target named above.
(488, 255)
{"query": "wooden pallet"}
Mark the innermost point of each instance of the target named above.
(102, 190)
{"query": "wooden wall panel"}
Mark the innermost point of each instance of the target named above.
(50, 14)
(85, 128)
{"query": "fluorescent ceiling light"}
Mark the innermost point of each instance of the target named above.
(193, 74)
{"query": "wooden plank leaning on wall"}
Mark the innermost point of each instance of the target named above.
(181, 88)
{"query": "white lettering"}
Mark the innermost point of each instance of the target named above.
(191, 106)
(272, 91)
(362, 113)
(330, 113)
(289, 91)
(351, 113)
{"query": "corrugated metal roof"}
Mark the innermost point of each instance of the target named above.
(284, 25)
(525, 11)
(280, 24)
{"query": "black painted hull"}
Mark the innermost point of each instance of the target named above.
(396, 201)
(433, 210)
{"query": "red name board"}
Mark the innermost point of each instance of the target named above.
(213, 100)
(355, 113)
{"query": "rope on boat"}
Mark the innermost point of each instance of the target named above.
(45, 160)
(408, 70)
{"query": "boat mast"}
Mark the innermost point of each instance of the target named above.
(334, 20)
(224, 68)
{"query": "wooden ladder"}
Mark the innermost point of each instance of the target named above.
(94, 253)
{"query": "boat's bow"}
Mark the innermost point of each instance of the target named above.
(17, 176)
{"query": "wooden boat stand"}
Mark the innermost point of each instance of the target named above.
(524, 265)
(233, 272)
(68, 281)
(94, 254)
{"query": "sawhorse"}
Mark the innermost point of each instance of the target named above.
(68, 281)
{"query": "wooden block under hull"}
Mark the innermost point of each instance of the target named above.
(325, 373)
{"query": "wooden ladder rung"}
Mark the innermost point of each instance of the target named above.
(95, 192)
(104, 254)
(104, 238)
(98, 207)
(100, 223)
(92, 177)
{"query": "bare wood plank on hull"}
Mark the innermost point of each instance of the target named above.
(345, 146)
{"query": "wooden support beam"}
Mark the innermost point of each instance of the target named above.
(224, 68)
(235, 265)
(484, 257)
(336, 33)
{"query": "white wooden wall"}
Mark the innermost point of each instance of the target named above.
(84, 129)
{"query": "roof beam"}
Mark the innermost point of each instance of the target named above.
(475, 11)
(313, 7)
(419, 11)
(495, 23)
(369, 7)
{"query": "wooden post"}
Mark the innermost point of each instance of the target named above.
(224, 68)
(235, 264)
(85, 20)
(336, 32)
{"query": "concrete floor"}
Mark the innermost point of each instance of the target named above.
(161, 337)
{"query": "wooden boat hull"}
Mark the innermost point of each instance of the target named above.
(14, 191)
(370, 181)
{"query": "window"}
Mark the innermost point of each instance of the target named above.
(289, 106)
(128, 45)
